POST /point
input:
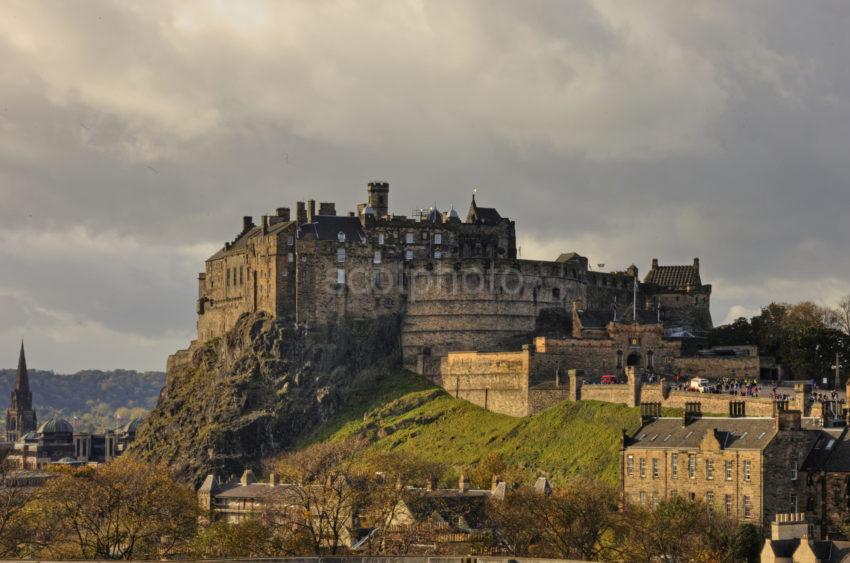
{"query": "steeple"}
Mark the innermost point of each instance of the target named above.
(22, 381)
(20, 416)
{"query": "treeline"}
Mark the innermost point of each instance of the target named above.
(129, 510)
(94, 400)
(803, 337)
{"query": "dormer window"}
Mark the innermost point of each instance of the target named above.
(340, 236)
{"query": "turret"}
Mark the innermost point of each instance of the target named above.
(379, 198)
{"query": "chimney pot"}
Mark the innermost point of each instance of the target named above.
(654, 263)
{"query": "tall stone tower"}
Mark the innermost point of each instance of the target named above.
(20, 417)
(379, 198)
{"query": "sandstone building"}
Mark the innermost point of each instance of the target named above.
(460, 288)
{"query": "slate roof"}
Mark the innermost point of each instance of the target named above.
(461, 510)
(599, 318)
(261, 490)
(241, 242)
(328, 227)
(483, 215)
(674, 277)
(733, 433)
(831, 452)
(567, 256)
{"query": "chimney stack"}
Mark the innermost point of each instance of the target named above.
(300, 212)
(462, 484)
(655, 263)
(693, 411)
(247, 223)
(327, 208)
(311, 210)
(696, 264)
(283, 213)
(737, 409)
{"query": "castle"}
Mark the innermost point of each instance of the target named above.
(459, 287)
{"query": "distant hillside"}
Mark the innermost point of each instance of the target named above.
(94, 397)
(401, 410)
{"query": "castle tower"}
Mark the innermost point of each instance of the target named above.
(20, 417)
(379, 198)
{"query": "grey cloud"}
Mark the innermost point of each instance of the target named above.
(134, 136)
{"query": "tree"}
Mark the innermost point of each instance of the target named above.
(511, 520)
(331, 490)
(121, 510)
(676, 530)
(15, 522)
(748, 543)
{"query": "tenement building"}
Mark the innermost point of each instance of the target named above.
(752, 469)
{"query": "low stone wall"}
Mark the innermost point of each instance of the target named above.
(542, 399)
(719, 403)
(735, 367)
(609, 393)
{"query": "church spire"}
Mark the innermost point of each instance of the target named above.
(22, 381)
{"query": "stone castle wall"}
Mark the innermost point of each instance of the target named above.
(736, 367)
(495, 381)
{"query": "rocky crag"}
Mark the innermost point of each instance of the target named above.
(252, 394)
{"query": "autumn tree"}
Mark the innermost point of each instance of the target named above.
(331, 489)
(124, 509)
(514, 530)
(16, 524)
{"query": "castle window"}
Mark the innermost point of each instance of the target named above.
(408, 238)
(408, 255)
(438, 238)
(340, 236)
(340, 276)
(340, 254)
(556, 293)
(377, 258)
(381, 238)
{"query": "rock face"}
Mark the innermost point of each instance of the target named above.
(250, 395)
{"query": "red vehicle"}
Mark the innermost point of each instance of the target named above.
(608, 379)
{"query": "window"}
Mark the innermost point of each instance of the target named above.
(674, 493)
(655, 468)
(556, 293)
(746, 470)
(692, 466)
(241, 276)
(836, 492)
(438, 255)
(408, 255)
(654, 501)
(290, 240)
(727, 502)
(377, 257)
(643, 468)
(289, 257)
(424, 235)
(748, 509)
(340, 276)
(438, 238)
(619, 359)
(727, 469)
(408, 238)
(340, 254)
(381, 238)
(709, 499)
(709, 469)
(649, 359)
(642, 498)
(228, 277)
(674, 466)
(630, 464)
(793, 500)
(794, 470)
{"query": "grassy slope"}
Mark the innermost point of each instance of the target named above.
(400, 410)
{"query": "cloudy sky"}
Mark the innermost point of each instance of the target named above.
(134, 136)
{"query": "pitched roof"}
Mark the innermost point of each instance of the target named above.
(483, 215)
(733, 433)
(567, 256)
(328, 227)
(261, 491)
(241, 242)
(674, 277)
(22, 381)
(459, 509)
(831, 452)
